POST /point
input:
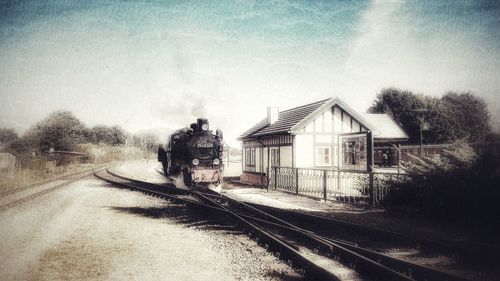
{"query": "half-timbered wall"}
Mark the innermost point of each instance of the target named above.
(316, 144)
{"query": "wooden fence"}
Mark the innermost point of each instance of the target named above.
(349, 186)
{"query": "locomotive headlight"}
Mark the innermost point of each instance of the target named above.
(204, 127)
(195, 162)
(216, 161)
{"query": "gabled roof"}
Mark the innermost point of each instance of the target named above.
(387, 127)
(326, 106)
(286, 120)
(295, 119)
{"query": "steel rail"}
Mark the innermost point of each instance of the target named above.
(45, 181)
(286, 252)
(311, 268)
(432, 245)
(48, 190)
(196, 202)
(170, 187)
(370, 261)
(462, 252)
(330, 248)
(418, 272)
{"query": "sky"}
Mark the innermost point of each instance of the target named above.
(158, 65)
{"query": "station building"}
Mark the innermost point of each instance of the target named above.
(327, 134)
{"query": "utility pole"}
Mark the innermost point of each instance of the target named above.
(420, 118)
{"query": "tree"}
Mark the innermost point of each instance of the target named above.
(401, 106)
(61, 130)
(466, 116)
(7, 136)
(108, 135)
(119, 135)
(101, 134)
(451, 117)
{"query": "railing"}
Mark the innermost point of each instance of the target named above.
(349, 186)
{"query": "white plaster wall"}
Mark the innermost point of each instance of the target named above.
(328, 121)
(319, 123)
(286, 156)
(355, 126)
(304, 150)
(346, 125)
(323, 139)
(337, 124)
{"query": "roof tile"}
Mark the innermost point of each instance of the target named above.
(286, 120)
(385, 127)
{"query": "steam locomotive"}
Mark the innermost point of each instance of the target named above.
(195, 153)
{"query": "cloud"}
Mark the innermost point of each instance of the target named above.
(129, 64)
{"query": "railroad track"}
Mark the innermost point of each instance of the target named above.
(294, 244)
(457, 250)
(477, 255)
(15, 197)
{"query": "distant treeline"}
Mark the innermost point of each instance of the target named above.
(62, 131)
(445, 119)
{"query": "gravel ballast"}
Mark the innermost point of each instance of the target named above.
(90, 230)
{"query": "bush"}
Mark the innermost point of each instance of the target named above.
(458, 185)
(100, 153)
(8, 136)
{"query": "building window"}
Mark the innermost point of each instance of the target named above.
(248, 157)
(323, 156)
(354, 152)
(275, 156)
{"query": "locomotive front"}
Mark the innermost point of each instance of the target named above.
(195, 153)
(205, 154)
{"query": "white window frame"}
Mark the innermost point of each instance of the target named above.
(248, 157)
(252, 156)
(275, 156)
(320, 157)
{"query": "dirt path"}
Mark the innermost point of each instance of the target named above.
(91, 231)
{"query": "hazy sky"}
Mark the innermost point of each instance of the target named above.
(159, 64)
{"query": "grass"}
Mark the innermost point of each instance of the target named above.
(13, 180)
(94, 154)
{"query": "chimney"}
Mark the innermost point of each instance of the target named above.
(272, 114)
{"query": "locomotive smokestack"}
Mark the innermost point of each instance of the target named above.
(193, 127)
(272, 114)
(202, 124)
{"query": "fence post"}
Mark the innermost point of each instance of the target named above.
(324, 185)
(373, 197)
(296, 181)
(339, 180)
(275, 177)
(369, 152)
